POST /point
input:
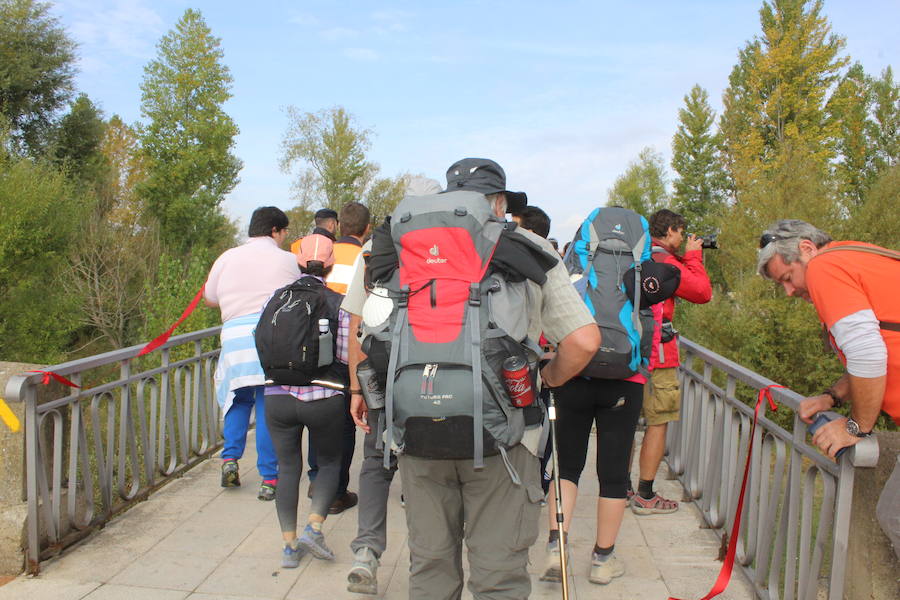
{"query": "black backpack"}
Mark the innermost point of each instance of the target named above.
(288, 339)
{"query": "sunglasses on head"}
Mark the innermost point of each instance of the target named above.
(767, 238)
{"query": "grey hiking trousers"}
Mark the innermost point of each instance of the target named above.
(448, 500)
(374, 486)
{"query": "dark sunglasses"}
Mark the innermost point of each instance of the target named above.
(767, 238)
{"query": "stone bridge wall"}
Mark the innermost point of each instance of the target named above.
(13, 508)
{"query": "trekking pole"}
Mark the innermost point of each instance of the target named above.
(563, 567)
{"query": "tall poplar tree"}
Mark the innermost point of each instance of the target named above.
(886, 128)
(642, 187)
(189, 139)
(699, 189)
(849, 109)
(775, 102)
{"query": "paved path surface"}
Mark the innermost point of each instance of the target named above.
(194, 540)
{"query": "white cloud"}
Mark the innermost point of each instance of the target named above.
(338, 33)
(364, 54)
(392, 15)
(119, 27)
(304, 20)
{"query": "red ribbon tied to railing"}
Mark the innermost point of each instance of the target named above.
(50, 374)
(162, 339)
(728, 564)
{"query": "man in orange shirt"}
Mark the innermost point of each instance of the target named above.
(855, 288)
(354, 226)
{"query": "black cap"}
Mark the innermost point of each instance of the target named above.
(658, 282)
(326, 213)
(485, 176)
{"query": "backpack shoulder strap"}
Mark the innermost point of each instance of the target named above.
(869, 249)
(885, 252)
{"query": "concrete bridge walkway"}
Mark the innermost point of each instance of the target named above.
(194, 540)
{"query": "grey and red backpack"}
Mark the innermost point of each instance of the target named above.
(455, 277)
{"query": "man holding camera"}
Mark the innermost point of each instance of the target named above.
(662, 396)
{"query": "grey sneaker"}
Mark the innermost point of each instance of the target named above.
(361, 578)
(604, 568)
(552, 570)
(230, 475)
(314, 542)
(291, 555)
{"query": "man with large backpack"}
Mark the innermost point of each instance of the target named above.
(374, 480)
(662, 394)
(466, 291)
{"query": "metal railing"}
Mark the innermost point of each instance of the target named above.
(796, 515)
(134, 424)
(138, 422)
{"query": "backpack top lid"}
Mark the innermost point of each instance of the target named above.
(613, 230)
(444, 244)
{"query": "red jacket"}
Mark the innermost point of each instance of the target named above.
(694, 287)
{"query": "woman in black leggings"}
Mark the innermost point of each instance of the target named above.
(320, 410)
(614, 406)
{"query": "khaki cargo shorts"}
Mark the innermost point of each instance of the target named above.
(662, 397)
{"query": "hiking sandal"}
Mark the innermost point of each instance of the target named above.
(657, 505)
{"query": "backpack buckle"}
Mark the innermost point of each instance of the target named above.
(475, 294)
(403, 298)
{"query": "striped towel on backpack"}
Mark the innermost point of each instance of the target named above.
(238, 362)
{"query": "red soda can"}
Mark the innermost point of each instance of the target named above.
(517, 378)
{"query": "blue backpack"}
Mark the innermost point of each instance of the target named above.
(610, 242)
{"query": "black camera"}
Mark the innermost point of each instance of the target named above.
(710, 242)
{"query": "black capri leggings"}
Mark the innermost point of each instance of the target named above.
(615, 406)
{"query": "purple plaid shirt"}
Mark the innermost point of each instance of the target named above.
(308, 393)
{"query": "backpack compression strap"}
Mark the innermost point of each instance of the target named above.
(636, 253)
(474, 305)
(399, 324)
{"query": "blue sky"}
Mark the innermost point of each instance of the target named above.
(563, 95)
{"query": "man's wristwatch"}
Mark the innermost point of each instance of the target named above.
(853, 429)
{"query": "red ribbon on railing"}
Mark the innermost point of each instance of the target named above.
(50, 374)
(162, 339)
(728, 565)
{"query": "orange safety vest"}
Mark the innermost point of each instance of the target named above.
(345, 255)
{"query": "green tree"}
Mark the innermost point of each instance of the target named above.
(37, 69)
(77, 141)
(886, 128)
(775, 102)
(849, 108)
(189, 138)
(780, 143)
(699, 189)
(327, 150)
(642, 187)
(384, 195)
(40, 218)
(117, 256)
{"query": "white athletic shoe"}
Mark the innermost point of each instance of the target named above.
(361, 578)
(552, 570)
(603, 571)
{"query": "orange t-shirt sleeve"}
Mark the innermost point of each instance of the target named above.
(835, 292)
